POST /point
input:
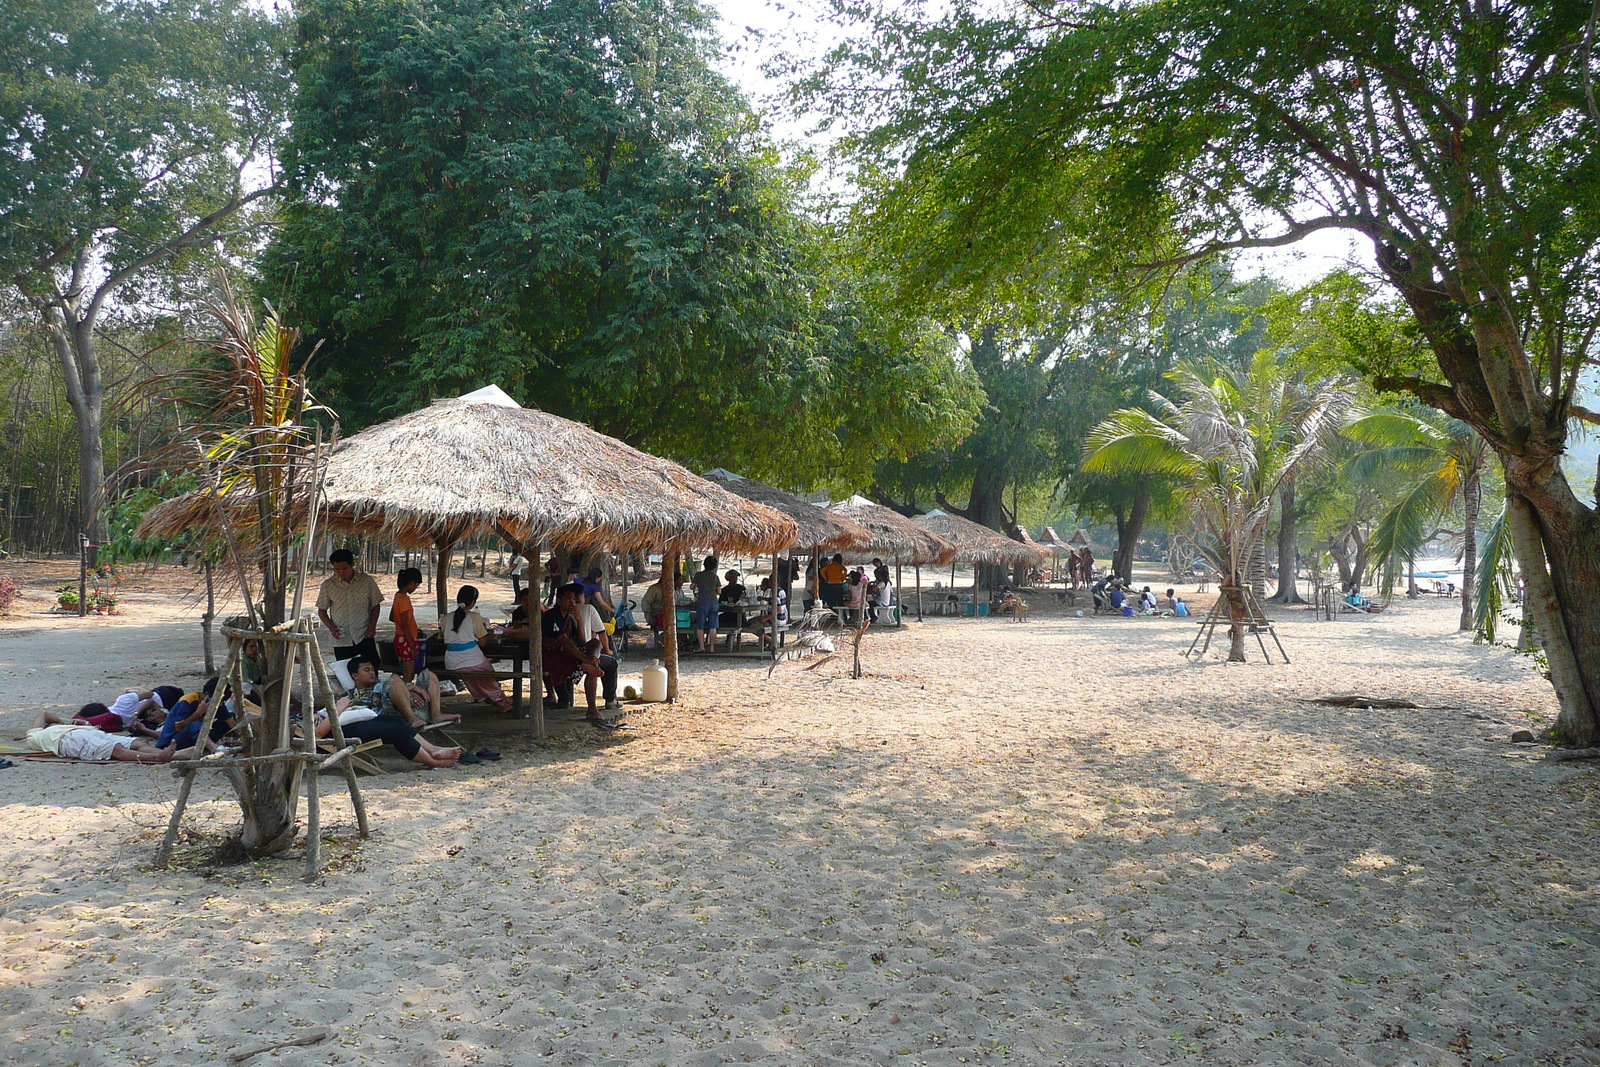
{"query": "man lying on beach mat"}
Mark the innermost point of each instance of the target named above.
(79, 740)
(365, 715)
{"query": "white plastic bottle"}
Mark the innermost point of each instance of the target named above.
(655, 682)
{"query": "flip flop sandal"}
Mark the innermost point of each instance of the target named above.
(603, 724)
(488, 754)
(4, 763)
(468, 758)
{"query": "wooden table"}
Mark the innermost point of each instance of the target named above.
(499, 647)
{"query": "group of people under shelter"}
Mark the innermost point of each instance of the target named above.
(850, 592)
(575, 638)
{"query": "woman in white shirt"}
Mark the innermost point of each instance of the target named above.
(464, 638)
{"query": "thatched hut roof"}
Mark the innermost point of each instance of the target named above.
(1050, 539)
(895, 535)
(818, 527)
(976, 543)
(480, 464)
(1081, 539)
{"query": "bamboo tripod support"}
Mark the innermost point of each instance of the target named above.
(1256, 621)
(305, 658)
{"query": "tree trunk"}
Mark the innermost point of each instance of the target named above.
(441, 577)
(206, 619)
(1288, 591)
(1352, 569)
(73, 341)
(1557, 545)
(1129, 528)
(1258, 564)
(1238, 613)
(1471, 502)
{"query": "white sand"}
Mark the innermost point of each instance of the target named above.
(1056, 842)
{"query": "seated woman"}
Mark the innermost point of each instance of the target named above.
(855, 593)
(764, 597)
(464, 638)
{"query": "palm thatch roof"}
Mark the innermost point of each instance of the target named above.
(818, 527)
(895, 535)
(480, 465)
(1050, 539)
(1081, 539)
(976, 543)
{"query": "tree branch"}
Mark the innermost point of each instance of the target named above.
(1297, 232)
(196, 234)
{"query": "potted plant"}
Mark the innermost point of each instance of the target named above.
(67, 597)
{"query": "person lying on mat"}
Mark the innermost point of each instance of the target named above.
(133, 706)
(79, 740)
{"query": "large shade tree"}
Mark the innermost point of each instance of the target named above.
(132, 134)
(567, 199)
(1459, 141)
(1230, 439)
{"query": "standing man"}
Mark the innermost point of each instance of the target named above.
(348, 605)
(833, 576)
(707, 589)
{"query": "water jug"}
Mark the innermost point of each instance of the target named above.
(655, 682)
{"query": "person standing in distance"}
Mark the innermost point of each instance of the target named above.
(348, 606)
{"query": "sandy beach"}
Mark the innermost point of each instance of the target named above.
(1057, 842)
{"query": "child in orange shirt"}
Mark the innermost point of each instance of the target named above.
(407, 639)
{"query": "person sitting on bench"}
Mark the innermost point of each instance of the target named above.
(573, 645)
(464, 638)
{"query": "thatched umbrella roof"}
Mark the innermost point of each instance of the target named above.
(481, 464)
(818, 527)
(976, 543)
(1081, 539)
(895, 535)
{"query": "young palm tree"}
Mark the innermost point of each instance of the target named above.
(1231, 439)
(249, 441)
(1449, 458)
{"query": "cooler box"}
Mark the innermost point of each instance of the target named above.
(685, 618)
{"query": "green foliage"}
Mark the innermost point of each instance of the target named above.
(568, 200)
(1060, 143)
(1496, 581)
(116, 124)
(123, 543)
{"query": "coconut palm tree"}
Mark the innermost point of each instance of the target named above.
(1230, 438)
(1449, 459)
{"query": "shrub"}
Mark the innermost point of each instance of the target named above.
(8, 593)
